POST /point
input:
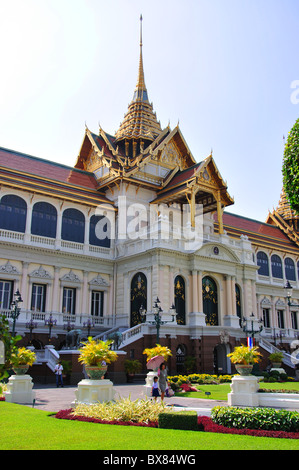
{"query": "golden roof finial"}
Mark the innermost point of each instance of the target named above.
(140, 90)
(140, 122)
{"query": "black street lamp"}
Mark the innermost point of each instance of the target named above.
(50, 323)
(30, 326)
(89, 325)
(289, 291)
(15, 310)
(248, 328)
(157, 322)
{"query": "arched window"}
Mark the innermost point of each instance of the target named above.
(73, 226)
(263, 263)
(138, 297)
(44, 220)
(276, 266)
(289, 267)
(180, 358)
(180, 299)
(210, 301)
(238, 301)
(13, 211)
(99, 231)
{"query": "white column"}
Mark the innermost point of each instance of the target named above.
(56, 296)
(194, 292)
(84, 303)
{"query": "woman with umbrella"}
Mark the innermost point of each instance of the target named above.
(162, 379)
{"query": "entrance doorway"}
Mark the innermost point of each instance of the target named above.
(222, 363)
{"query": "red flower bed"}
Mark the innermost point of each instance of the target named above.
(206, 424)
(67, 414)
(2, 398)
(188, 388)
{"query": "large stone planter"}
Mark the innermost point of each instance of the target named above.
(149, 383)
(19, 389)
(96, 372)
(244, 369)
(90, 392)
(244, 391)
(21, 369)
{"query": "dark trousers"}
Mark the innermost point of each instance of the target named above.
(59, 380)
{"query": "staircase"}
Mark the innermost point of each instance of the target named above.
(289, 360)
(49, 355)
(127, 336)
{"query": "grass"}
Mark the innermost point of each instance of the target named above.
(25, 428)
(219, 392)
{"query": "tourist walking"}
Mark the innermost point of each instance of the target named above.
(162, 380)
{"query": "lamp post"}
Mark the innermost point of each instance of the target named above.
(15, 310)
(89, 325)
(248, 328)
(30, 326)
(289, 291)
(50, 323)
(157, 322)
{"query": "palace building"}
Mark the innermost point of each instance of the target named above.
(91, 247)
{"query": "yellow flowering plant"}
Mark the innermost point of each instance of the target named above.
(157, 351)
(94, 352)
(245, 355)
(23, 356)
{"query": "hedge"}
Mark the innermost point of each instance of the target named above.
(186, 420)
(256, 418)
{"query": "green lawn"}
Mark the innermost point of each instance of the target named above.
(25, 428)
(219, 392)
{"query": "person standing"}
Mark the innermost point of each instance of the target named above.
(58, 373)
(155, 388)
(163, 380)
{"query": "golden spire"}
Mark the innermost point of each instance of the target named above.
(140, 90)
(140, 121)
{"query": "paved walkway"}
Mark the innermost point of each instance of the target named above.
(50, 398)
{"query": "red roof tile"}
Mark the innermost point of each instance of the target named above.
(46, 169)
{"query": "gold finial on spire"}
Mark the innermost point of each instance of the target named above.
(140, 87)
(140, 122)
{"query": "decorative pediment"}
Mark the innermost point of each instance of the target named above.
(40, 273)
(8, 268)
(98, 281)
(70, 277)
(219, 252)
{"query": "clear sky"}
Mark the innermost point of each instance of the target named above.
(223, 68)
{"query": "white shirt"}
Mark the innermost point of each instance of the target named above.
(58, 369)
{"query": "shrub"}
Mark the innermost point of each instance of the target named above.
(186, 420)
(256, 418)
(125, 410)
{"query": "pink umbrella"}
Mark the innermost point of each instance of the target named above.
(155, 362)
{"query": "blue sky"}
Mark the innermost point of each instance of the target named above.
(223, 69)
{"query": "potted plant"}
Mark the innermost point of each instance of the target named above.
(157, 351)
(244, 357)
(132, 366)
(276, 359)
(21, 360)
(95, 355)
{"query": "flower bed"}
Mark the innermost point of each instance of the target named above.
(68, 414)
(205, 424)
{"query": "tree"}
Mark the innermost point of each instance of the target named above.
(290, 167)
(9, 344)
